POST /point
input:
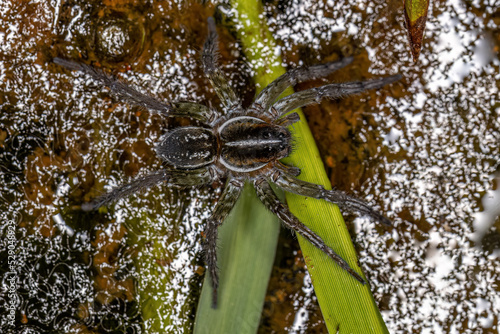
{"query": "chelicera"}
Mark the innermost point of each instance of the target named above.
(237, 145)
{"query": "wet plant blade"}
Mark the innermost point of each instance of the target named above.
(155, 281)
(415, 13)
(347, 305)
(247, 247)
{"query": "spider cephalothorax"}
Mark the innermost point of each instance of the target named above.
(238, 145)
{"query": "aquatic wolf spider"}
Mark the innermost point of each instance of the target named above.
(238, 145)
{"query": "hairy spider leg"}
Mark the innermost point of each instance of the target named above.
(180, 178)
(272, 202)
(222, 209)
(332, 91)
(268, 95)
(291, 170)
(288, 120)
(209, 59)
(134, 97)
(344, 201)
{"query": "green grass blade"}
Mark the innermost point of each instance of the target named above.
(247, 247)
(347, 306)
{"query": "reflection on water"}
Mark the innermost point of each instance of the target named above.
(426, 151)
(485, 219)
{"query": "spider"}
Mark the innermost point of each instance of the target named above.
(238, 145)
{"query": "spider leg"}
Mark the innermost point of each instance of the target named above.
(181, 178)
(272, 202)
(344, 201)
(288, 120)
(209, 58)
(291, 170)
(193, 110)
(134, 97)
(226, 202)
(268, 95)
(332, 91)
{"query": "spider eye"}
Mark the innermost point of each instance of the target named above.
(281, 135)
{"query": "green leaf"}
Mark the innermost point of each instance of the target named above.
(347, 306)
(415, 18)
(247, 247)
(415, 9)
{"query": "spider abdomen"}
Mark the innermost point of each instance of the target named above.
(188, 147)
(249, 143)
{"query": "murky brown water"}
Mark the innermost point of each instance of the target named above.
(426, 151)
